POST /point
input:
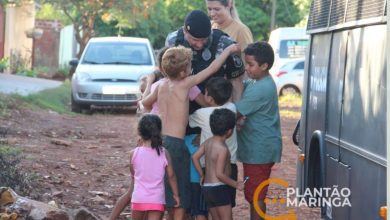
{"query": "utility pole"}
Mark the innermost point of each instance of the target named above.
(273, 15)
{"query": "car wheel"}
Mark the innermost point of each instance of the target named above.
(289, 90)
(76, 107)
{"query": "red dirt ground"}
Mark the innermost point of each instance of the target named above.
(82, 160)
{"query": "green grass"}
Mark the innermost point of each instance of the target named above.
(7, 103)
(290, 114)
(56, 99)
(290, 101)
(290, 106)
(9, 151)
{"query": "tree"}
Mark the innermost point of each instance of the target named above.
(257, 14)
(154, 19)
(47, 11)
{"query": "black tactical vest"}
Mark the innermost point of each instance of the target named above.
(199, 60)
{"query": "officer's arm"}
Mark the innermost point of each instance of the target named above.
(234, 70)
(238, 88)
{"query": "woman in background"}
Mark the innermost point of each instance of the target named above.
(224, 16)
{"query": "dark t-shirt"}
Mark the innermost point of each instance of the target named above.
(201, 59)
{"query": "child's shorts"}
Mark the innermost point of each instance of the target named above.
(198, 203)
(233, 175)
(216, 195)
(257, 173)
(181, 166)
(147, 207)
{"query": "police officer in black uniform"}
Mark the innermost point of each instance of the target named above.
(206, 44)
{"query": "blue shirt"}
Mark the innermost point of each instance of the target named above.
(260, 139)
(195, 178)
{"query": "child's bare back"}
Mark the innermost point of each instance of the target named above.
(173, 107)
(173, 93)
(216, 182)
(217, 157)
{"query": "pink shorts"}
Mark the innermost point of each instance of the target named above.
(147, 207)
(257, 173)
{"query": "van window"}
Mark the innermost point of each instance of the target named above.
(117, 53)
(293, 48)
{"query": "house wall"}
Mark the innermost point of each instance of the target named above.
(2, 22)
(19, 20)
(46, 48)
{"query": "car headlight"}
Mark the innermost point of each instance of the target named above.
(83, 77)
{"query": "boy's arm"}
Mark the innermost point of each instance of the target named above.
(148, 81)
(214, 66)
(148, 101)
(124, 200)
(195, 160)
(220, 171)
(172, 179)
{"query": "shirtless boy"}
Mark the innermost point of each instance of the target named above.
(216, 181)
(173, 102)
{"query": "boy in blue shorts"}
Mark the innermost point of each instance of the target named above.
(259, 139)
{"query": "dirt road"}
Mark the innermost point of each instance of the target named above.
(83, 160)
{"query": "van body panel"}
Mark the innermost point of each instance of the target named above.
(335, 92)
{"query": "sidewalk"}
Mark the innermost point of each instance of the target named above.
(24, 85)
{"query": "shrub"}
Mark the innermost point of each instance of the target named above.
(26, 72)
(8, 103)
(11, 174)
(4, 63)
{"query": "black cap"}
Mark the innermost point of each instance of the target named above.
(198, 24)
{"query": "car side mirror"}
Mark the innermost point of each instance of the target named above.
(74, 62)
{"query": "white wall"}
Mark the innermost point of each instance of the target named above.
(68, 45)
(18, 20)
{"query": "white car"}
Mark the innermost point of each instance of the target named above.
(289, 78)
(109, 71)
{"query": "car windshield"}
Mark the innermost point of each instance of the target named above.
(122, 53)
(293, 48)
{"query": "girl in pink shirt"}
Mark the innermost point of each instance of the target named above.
(149, 163)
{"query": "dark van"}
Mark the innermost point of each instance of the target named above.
(342, 132)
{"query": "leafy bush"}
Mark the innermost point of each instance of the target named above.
(42, 70)
(11, 174)
(26, 72)
(18, 63)
(4, 63)
(63, 70)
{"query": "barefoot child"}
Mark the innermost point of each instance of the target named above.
(173, 102)
(146, 191)
(216, 182)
